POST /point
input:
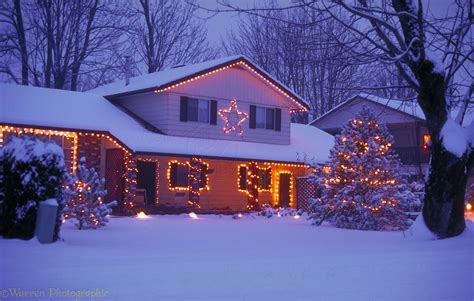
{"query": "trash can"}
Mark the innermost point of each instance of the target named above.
(46, 220)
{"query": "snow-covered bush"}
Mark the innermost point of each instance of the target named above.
(361, 185)
(32, 171)
(417, 188)
(85, 192)
(269, 211)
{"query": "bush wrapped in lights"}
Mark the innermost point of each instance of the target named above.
(197, 172)
(85, 194)
(361, 185)
(252, 187)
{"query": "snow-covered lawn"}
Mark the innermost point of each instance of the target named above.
(219, 258)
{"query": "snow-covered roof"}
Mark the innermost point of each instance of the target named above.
(408, 107)
(168, 77)
(32, 106)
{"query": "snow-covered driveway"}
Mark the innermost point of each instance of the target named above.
(219, 258)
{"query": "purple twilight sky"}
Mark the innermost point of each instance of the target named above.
(218, 25)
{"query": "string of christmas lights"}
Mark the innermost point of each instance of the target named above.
(361, 185)
(233, 118)
(277, 185)
(157, 176)
(252, 187)
(73, 136)
(196, 168)
(299, 106)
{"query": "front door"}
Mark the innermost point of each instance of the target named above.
(284, 190)
(146, 179)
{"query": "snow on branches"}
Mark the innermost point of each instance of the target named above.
(361, 186)
(31, 171)
(84, 194)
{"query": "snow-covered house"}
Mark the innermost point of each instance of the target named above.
(404, 119)
(142, 133)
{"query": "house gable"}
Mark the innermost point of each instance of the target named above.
(172, 78)
(339, 116)
(408, 130)
(234, 83)
(161, 108)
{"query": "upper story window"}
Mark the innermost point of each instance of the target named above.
(198, 110)
(265, 118)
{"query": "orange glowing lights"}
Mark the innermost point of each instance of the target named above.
(233, 118)
(426, 141)
(142, 215)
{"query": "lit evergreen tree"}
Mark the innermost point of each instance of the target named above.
(85, 194)
(361, 186)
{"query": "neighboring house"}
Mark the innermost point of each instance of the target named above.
(405, 121)
(216, 118)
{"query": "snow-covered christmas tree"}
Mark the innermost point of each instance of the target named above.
(361, 185)
(85, 194)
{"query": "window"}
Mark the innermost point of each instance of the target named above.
(270, 119)
(242, 177)
(198, 110)
(182, 176)
(265, 178)
(265, 118)
(260, 118)
(178, 175)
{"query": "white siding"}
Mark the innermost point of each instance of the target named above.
(204, 130)
(163, 110)
(151, 107)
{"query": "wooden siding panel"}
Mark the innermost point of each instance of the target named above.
(223, 192)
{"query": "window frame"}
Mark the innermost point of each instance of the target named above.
(261, 170)
(266, 110)
(265, 180)
(200, 117)
(182, 176)
(171, 170)
(241, 179)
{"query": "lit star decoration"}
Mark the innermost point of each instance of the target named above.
(233, 118)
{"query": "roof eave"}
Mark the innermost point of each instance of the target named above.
(238, 59)
(344, 103)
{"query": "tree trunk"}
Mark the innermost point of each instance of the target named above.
(22, 42)
(443, 209)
